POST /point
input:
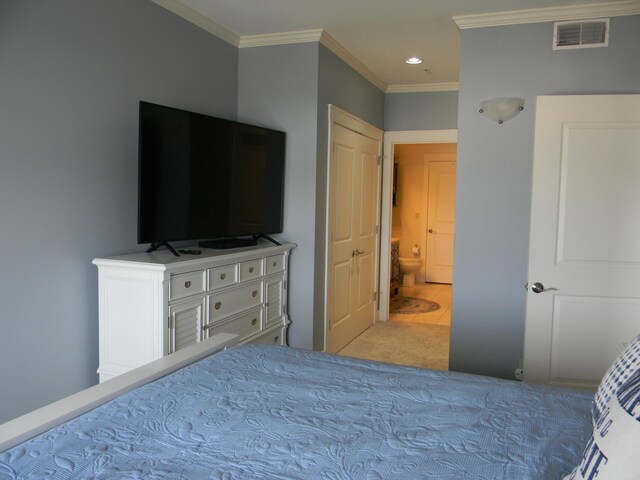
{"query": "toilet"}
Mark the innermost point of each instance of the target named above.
(409, 266)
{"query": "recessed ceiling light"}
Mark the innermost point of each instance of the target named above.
(413, 61)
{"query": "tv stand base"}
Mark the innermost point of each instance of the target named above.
(157, 245)
(267, 237)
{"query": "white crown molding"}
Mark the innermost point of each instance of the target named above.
(177, 7)
(552, 14)
(285, 38)
(424, 87)
(312, 36)
(346, 56)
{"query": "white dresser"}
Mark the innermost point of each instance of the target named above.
(153, 304)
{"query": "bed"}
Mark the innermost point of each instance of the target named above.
(256, 412)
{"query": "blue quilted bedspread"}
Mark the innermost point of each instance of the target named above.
(265, 412)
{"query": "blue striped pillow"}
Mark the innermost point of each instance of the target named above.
(612, 451)
(627, 363)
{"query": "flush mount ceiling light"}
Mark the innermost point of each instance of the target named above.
(501, 109)
(413, 61)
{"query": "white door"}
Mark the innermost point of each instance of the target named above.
(440, 222)
(353, 247)
(583, 300)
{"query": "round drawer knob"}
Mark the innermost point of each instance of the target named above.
(223, 276)
(187, 284)
(250, 269)
(218, 305)
(254, 321)
(276, 338)
(275, 263)
(254, 293)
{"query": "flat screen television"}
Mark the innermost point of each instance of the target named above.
(203, 177)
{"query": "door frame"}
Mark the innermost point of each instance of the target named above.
(351, 122)
(391, 139)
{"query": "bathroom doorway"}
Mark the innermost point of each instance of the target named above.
(422, 213)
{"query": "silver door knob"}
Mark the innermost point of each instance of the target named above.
(539, 288)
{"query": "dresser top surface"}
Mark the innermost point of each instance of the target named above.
(163, 259)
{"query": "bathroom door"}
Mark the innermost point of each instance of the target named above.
(354, 184)
(440, 222)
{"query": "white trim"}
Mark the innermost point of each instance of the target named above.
(202, 21)
(424, 87)
(390, 140)
(27, 426)
(552, 14)
(311, 36)
(285, 38)
(347, 57)
(347, 120)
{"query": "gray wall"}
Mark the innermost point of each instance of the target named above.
(72, 73)
(278, 88)
(289, 87)
(342, 86)
(494, 174)
(421, 111)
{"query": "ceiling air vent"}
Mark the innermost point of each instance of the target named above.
(585, 34)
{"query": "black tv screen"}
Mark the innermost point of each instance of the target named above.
(202, 177)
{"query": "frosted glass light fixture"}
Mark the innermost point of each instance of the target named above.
(501, 109)
(413, 61)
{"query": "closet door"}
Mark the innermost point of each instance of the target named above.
(353, 237)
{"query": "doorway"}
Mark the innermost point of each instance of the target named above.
(392, 141)
(423, 208)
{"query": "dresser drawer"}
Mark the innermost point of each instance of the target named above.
(234, 301)
(243, 326)
(223, 276)
(186, 284)
(274, 337)
(275, 264)
(250, 269)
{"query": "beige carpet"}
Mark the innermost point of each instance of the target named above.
(404, 343)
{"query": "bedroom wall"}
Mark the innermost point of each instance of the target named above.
(289, 87)
(421, 111)
(278, 88)
(73, 72)
(494, 174)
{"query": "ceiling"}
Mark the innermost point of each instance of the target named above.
(375, 36)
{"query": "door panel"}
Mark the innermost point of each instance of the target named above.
(599, 190)
(440, 222)
(571, 314)
(368, 195)
(585, 232)
(343, 216)
(365, 281)
(341, 293)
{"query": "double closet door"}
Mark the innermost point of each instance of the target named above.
(354, 186)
